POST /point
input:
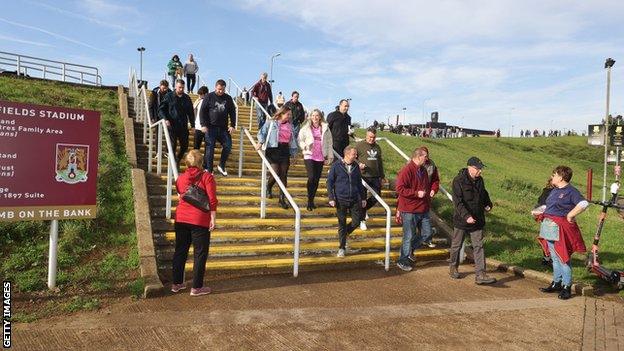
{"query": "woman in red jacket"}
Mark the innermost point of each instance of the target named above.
(193, 225)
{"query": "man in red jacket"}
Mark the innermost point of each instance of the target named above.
(414, 191)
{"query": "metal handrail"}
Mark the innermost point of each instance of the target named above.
(142, 114)
(266, 165)
(45, 66)
(388, 215)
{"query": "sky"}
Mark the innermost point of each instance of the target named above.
(480, 64)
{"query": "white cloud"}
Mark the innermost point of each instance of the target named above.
(23, 41)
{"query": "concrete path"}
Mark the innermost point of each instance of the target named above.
(364, 309)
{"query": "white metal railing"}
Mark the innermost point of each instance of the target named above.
(388, 215)
(142, 114)
(50, 69)
(267, 166)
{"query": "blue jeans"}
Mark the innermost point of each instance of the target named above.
(562, 272)
(260, 116)
(425, 230)
(213, 135)
(411, 237)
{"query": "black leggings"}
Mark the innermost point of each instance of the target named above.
(200, 238)
(282, 171)
(314, 170)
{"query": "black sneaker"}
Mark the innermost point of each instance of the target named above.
(553, 287)
(566, 292)
(404, 266)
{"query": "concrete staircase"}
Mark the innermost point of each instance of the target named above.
(244, 243)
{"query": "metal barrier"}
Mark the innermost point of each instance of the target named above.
(50, 69)
(142, 114)
(266, 165)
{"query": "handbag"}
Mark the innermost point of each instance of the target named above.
(197, 196)
(549, 230)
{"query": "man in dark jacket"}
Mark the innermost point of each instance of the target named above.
(177, 110)
(262, 91)
(471, 202)
(297, 112)
(339, 123)
(158, 94)
(413, 190)
(344, 189)
(371, 166)
(216, 109)
(434, 180)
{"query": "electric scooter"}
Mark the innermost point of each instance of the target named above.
(615, 277)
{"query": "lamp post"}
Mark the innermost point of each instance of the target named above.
(608, 64)
(404, 109)
(140, 50)
(423, 112)
(271, 70)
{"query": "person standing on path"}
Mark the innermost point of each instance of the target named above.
(193, 225)
(217, 108)
(339, 123)
(413, 190)
(177, 111)
(471, 201)
(344, 190)
(190, 71)
(262, 91)
(371, 166)
(426, 231)
(560, 231)
(315, 142)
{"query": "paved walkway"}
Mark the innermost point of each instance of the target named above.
(364, 309)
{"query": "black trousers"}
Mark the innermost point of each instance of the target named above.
(190, 82)
(314, 170)
(183, 137)
(339, 146)
(344, 229)
(199, 139)
(375, 183)
(279, 158)
(200, 237)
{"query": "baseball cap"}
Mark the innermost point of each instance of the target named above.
(475, 162)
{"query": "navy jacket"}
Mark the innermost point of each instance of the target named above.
(177, 110)
(342, 186)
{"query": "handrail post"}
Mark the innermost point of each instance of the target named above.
(263, 191)
(296, 244)
(44, 72)
(169, 190)
(159, 149)
(63, 72)
(150, 144)
(81, 78)
(240, 154)
(18, 63)
(251, 114)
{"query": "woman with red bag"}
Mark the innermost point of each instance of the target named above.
(193, 225)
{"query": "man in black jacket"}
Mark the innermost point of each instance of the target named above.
(339, 123)
(344, 190)
(297, 112)
(216, 109)
(471, 202)
(176, 108)
(158, 94)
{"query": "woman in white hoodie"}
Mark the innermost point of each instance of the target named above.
(315, 142)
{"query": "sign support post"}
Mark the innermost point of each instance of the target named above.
(52, 254)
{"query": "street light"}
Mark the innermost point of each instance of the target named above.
(140, 50)
(608, 64)
(271, 70)
(404, 109)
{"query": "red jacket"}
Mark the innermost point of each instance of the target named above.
(187, 213)
(262, 91)
(410, 180)
(570, 238)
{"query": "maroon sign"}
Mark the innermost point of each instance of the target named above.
(48, 162)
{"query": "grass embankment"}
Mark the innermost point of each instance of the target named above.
(97, 259)
(517, 170)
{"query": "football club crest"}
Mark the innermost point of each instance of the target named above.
(72, 163)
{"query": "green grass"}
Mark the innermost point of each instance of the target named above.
(517, 170)
(93, 254)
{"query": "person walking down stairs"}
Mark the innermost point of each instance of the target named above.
(216, 109)
(371, 166)
(345, 189)
(177, 111)
(315, 142)
(199, 133)
(173, 67)
(190, 71)
(193, 225)
(278, 140)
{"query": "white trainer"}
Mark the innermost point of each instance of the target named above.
(222, 171)
(363, 225)
(341, 253)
